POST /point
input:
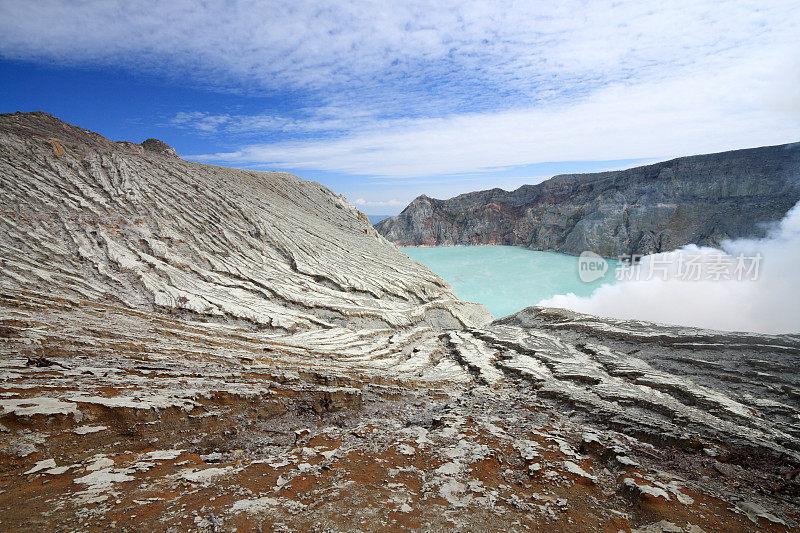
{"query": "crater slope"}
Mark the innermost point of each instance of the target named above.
(701, 200)
(189, 347)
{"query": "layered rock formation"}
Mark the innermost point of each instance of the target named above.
(191, 347)
(136, 225)
(702, 200)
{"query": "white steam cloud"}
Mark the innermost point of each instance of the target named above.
(769, 303)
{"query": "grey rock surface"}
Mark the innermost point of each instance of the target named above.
(702, 200)
(247, 345)
(663, 383)
(88, 217)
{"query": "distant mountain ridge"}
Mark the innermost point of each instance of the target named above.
(702, 199)
(374, 219)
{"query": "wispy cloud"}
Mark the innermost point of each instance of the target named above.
(200, 121)
(380, 203)
(421, 55)
(420, 89)
(320, 120)
(695, 114)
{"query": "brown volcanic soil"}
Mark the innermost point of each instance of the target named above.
(226, 438)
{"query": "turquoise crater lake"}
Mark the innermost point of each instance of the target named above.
(506, 279)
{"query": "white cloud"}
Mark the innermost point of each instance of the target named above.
(702, 112)
(417, 88)
(200, 121)
(769, 304)
(380, 203)
(323, 119)
(357, 44)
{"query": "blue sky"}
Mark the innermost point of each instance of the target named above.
(385, 101)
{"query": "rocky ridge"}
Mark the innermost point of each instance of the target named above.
(701, 200)
(135, 224)
(190, 347)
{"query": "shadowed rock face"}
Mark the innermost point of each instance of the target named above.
(160, 147)
(700, 200)
(189, 347)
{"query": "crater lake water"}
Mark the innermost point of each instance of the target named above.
(506, 279)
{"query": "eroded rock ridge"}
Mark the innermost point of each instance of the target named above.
(701, 200)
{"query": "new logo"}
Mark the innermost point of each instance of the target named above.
(591, 267)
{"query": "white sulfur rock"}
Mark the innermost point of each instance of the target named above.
(405, 449)
(84, 430)
(578, 471)
(104, 478)
(202, 476)
(42, 465)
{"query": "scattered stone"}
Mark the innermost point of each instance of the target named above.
(642, 490)
(755, 511)
(104, 478)
(573, 468)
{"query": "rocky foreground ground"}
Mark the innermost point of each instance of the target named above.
(187, 347)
